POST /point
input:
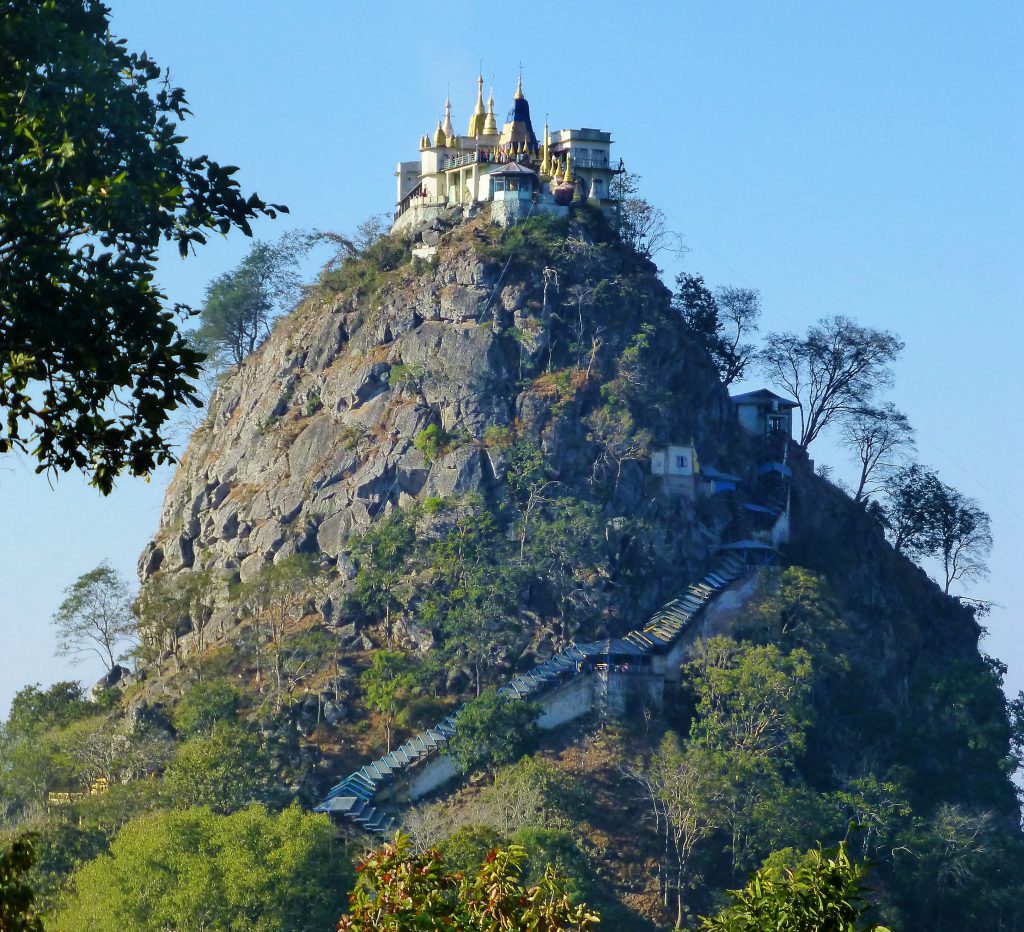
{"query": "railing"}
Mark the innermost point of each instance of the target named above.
(458, 161)
(590, 163)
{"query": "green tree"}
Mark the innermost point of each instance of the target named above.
(224, 769)
(380, 554)
(751, 699)
(720, 320)
(92, 180)
(35, 710)
(825, 892)
(240, 305)
(197, 870)
(17, 898)
(204, 705)
(399, 889)
(95, 616)
(388, 684)
(493, 729)
(927, 518)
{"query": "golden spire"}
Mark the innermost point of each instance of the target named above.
(439, 139)
(490, 124)
(568, 170)
(519, 86)
(448, 129)
(476, 120)
(545, 163)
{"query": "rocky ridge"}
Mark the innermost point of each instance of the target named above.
(314, 436)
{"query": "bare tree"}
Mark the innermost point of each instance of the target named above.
(683, 801)
(831, 371)
(642, 225)
(95, 616)
(739, 310)
(877, 437)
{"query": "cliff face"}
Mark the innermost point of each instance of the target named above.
(396, 382)
(315, 435)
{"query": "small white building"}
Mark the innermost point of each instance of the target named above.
(678, 467)
(510, 166)
(674, 461)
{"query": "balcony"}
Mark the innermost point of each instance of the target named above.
(599, 162)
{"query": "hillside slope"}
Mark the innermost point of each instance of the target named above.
(433, 475)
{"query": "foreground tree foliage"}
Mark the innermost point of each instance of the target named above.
(399, 889)
(92, 180)
(17, 899)
(825, 892)
(197, 870)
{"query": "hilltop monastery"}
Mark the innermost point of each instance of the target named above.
(510, 168)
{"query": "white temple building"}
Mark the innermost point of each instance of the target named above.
(510, 168)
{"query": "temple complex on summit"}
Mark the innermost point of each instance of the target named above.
(509, 167)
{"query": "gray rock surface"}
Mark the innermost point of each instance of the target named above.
(312, 437)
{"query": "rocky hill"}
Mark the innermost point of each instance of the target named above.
(458, 453)
(315, 435)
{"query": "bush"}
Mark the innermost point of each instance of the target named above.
(204, 705)
(198, 870)
(367, 272)
(493, 730)
(432, 441)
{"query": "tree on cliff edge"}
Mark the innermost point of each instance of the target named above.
(92, 181)
(95, 616)
(832, 371)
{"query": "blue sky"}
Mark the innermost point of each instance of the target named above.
(861, 159)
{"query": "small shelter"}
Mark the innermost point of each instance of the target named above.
(764, 414)
(514, 182)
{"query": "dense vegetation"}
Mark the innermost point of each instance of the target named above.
(847, 702)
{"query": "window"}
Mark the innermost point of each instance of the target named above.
(582, 154)
(680, 461)
(776, 422)
(598, 185)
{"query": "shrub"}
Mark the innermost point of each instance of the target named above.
(493, 730)
(204, 705)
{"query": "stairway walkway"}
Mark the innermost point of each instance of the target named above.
(353, 799)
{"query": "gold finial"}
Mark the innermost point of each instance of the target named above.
(519, 86)
(568, 170)
(448, 129)
(476, 121)
(439, 139)
(490, 124)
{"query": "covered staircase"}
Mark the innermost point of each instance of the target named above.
(362, 798)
